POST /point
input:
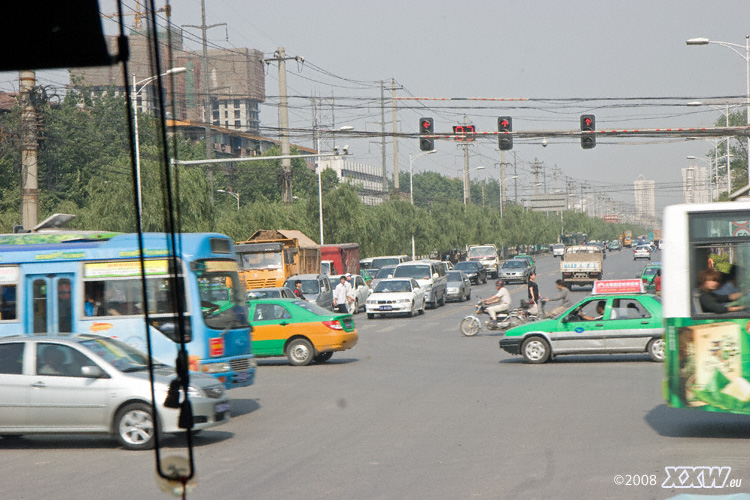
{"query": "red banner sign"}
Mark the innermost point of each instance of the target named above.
(618, 286)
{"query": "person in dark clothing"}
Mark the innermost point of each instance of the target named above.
(533, 292)
(710, 301)
(298, 290)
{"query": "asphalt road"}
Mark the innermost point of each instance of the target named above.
(418, 411)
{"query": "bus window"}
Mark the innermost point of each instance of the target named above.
(7, 302)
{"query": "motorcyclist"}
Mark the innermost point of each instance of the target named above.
(501, 301)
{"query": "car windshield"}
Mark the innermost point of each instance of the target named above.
(393, 286)
(650, 271)
(118, 354)
(514, 264)
(308, 286)
(467, 266)
(263, 294)
(454, 276)
(413, 271)
(383, 272)
(313, 308)
(481, 252)
(384, 261)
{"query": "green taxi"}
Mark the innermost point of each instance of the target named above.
(617, 318)
(648, 274)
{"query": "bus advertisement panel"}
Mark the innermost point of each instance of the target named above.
(706, 308)
(59, 287)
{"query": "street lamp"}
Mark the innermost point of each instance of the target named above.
(345, 128)
(467, 189)
(411, 190)
(725, 111)
(236, 196)
(144, 83)
(733, 47)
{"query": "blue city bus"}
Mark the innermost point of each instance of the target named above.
(67, 282)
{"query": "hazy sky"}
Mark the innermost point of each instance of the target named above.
(565, 56)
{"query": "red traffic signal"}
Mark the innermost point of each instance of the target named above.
(426, 128)
(588, 127)
(504, 138)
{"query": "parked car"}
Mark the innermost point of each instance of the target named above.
(459, 286)
(317, 288)
(558, 250)
(642, 252)
(383, 272)
(89, 384)
(360, 289)
(628, 322)
(431, 277)
(299, 330)
(473, 269)
(515, 270)
(277, 292)
(396, 296)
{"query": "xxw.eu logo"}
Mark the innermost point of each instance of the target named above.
(699, 477)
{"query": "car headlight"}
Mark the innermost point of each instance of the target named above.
(215, 367)
(194, 392)
(404, 301)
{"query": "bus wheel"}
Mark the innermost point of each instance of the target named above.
(655, 350)
(535, 350)
(299, 352)
(134, 427)
(323, 357)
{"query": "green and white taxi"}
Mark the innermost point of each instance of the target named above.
(617, 318)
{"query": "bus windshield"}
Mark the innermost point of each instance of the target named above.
(221, 296)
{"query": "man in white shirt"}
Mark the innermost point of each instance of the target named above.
(501, 300)
(341, 295)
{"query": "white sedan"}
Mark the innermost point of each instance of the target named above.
(396, 296)
(642, 252)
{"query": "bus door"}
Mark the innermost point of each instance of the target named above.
(49, 299)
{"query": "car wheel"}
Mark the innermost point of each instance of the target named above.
(413, 311)
(655, 350)
(485, 279)
(535, 350)
(299, 352)
(356, 306)
(323, 357)
(441, 302)
(470, 326)
(370, 315)
(468, 297)
(421, 310)
(134, 427)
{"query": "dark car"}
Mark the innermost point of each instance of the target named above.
(473, 269)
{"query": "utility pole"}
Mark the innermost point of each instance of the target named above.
(286, 163)
(502, 182)
(515, 180)
(536, 176)
(206, 91)
(29, 176)
(466, 173)
(382, 139)
(395, 140)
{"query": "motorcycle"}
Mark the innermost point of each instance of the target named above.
(471, 325)
(527, 315)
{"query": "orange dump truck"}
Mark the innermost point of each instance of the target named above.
(270, 256)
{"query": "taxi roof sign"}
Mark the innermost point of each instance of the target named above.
(602, 287)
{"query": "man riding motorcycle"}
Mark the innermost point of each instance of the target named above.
(501, 301)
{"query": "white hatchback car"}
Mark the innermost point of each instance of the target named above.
(89, 384)
(396, 296)
(359, 288)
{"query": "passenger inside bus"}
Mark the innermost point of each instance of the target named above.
(710, 301)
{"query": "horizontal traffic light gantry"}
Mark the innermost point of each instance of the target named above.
(426, 130)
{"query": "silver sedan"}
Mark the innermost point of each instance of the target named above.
(96, 385)
(459, 286)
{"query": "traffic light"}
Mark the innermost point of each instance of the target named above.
(426, 129)
(505, 141)
(588, 124)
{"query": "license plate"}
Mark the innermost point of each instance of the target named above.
(386, 308)
(222, 407)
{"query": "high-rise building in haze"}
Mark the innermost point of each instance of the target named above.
(644, 198)
(695, 184)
